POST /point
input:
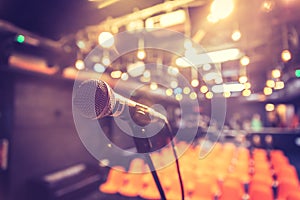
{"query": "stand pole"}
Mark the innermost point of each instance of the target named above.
(143, 145)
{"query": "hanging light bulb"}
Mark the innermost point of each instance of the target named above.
(203, 89)
(194, 82)
(178, 97)
(193, 96)
(124, 76)
(279, 85)
(247, 85)
(186, 90)
(106, 39)
(246, 92)
(268, 5)
(153, 86)
(79, 64)
(286, 55)
(268, 91)
(221, 9)
(169, 92)
(209, 95)
(269, 107)
(174, 84)
(245, 60)
(116, 74)
(236, 35)
(227, 94)
(270, 83)
(243, 79)
(276, 73)
(141, 54)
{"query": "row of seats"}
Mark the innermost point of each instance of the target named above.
(227, 172)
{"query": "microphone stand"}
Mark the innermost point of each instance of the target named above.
(143, 144)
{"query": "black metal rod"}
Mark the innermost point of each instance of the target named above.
(155, 177)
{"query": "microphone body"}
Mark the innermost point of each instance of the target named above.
(95, 99)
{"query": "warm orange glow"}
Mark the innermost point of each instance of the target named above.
(70, 73)
(31, 64)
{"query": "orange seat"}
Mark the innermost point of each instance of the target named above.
(287, 171)
(132, 179)
(285, 186)
(206, 188)
(262, 179)
(260, 192)
(132, 185)
(294, 195)
(232, 189)
(149, 190)
(114, 181)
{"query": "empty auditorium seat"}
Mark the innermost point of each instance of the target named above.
(232, 189)
(260, 192)
(114, 180)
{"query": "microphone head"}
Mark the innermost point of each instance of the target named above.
(94, 99)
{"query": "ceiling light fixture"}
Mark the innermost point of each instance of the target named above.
(106, 39)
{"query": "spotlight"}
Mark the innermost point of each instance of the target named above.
(106, 39)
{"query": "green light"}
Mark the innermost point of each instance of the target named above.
(20, 38)
(297, 73)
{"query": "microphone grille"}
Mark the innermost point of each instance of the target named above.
(94, 99)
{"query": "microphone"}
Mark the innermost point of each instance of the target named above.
(95, 99)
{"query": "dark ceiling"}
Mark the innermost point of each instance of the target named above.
(56, 18)
(262, 32)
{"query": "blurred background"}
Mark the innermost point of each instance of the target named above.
(254, 65)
